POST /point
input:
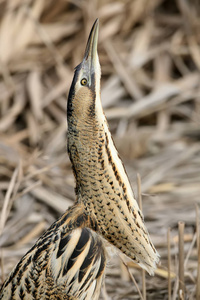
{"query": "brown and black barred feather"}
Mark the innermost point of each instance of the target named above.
(67, 262)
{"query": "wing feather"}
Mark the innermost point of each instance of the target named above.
(67, 262)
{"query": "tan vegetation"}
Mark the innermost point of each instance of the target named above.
(150, 58)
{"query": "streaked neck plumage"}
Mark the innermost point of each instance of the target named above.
(101, 181)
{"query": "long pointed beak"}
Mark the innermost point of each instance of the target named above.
(91, 48)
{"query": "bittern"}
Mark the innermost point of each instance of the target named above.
(67, 262)
(102, 184)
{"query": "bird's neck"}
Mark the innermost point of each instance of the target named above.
(97, 167)
(86, 135)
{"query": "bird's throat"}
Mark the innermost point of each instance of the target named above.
(100, 175)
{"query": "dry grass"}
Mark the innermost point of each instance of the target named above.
(150, 57)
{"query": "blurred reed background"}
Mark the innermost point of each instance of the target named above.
(150, 58)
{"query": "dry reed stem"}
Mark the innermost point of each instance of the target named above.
(132, 278)
(123, 72)
(169, 263)
(198, 254)
(2, 266)
(4, 212)
(181, 226)
(123, 272)
(190, 250)
(37, 230)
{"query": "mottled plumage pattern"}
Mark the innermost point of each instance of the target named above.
(101, 181)
(69, 259)
(67, 262)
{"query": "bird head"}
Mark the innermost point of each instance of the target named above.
(84, 94)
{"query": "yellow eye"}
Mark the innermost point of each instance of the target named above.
(83, 81)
